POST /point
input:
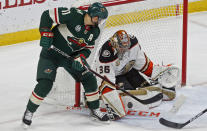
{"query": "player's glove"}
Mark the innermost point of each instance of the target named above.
(79, 63)
(46, 37)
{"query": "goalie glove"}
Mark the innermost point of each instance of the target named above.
(167, 76)
(165, 79)
(170, 77)
(46, 37)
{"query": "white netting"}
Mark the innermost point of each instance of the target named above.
(156, 23)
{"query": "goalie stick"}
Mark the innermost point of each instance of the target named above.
(148, 101)
(179, 125)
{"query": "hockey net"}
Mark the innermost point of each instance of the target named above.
(158, 25)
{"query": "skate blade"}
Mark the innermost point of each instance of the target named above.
(25, 126)
(100, 122)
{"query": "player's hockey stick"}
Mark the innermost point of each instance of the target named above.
(148, 101)
(180, 125)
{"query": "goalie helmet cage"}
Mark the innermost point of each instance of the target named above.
(159, 25)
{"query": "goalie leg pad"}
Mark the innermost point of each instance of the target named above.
(111, 98)
(131, 104)
(168, 93)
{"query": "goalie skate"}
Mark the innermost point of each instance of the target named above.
(97, 115)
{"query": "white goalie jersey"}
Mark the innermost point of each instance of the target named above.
(111, 65)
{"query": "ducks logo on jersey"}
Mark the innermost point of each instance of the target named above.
(106, 53)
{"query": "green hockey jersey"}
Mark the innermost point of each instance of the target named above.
(70, 33)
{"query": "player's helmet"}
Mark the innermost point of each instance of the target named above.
(120, 41)
(98, 9)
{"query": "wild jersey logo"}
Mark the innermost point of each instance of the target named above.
(106, 53)
(77, 28)
(79, 41)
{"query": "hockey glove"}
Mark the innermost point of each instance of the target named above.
(79, 63)
(46, 38)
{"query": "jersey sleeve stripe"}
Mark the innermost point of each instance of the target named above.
(92, 96)
(36, 99)
(52, 14)
(36, 96)
(148, 67)
(56, 16)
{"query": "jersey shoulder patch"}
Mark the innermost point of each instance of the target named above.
(106, 53)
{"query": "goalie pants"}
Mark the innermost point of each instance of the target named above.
(46, 73)
(132, 80)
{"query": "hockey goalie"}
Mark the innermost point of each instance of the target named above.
(122, 61)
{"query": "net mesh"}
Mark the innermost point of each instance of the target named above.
(156, 23)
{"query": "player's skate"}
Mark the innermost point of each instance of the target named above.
(27, 119)
(96, 114)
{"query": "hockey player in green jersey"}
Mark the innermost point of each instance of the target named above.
(74, 33)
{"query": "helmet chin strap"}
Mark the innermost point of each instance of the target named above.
(93, 22)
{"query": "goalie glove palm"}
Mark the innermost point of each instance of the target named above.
(46, 37)
(79, 63)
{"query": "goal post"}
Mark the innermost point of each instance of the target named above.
(159, 25)
(184, 48)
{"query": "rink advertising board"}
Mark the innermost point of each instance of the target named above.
(20, 18)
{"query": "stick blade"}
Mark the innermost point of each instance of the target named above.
(170, 124)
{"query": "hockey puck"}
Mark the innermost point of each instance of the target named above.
(129, 105)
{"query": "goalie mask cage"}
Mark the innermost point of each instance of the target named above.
(159, 25)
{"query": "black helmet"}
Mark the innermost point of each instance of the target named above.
(98, 9)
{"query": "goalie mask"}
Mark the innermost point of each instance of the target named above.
(121, 42)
